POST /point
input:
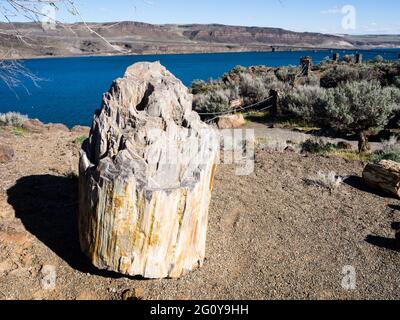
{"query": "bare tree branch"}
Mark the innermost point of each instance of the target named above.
(12, 71)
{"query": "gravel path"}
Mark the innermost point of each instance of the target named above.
(283, 135)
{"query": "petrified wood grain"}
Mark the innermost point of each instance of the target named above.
(146, 177)
(384, 176)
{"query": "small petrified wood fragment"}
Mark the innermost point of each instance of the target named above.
(384, 176)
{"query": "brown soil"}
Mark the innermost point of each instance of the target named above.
(271, 236)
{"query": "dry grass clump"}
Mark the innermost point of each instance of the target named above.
(14, 119)
(329, 180)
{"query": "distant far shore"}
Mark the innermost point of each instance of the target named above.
(134, 38)
(105, 54)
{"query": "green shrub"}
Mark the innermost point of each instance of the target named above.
(311, 80)
(393, 155)
(378, 59)
(14, 119)
(396, 82)
(253, 89)
(238, 70)
(306, 103)
(287, 74)
(214, 102)
(387, 73)
(332, 77)
(359, 107)
(19, 131)
(199, 86)
(390, 151)
(318, 147)
(252, 85)
(79, 140)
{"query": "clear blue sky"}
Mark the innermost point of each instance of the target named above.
(374, 17)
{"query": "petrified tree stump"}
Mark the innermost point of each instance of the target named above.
(384, 176)
(146, 176)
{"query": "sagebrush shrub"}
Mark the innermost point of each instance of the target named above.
(332, 77)
(390, 151)
(14, 119)
(318, 147)
(287, 74)
(214, 102)
(253, 89)
(359, 107)
(363, 105)
(378, 59)
(306, 103)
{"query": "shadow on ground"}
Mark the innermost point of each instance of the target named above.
(382, 242)
(48, 207)
(358, 183)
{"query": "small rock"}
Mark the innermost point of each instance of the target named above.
(6, 153)
(131, 295)
(344, 145)
(48, 277)
(231, 121)
(34, 125)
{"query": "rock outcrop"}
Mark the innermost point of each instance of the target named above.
(146, 176)
(231, 121)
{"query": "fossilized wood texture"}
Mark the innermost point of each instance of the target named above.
(146, 177)
(384, 176)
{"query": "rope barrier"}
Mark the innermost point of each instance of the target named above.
(235, 110)
(220, 114)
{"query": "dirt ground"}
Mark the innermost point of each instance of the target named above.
(271, 236)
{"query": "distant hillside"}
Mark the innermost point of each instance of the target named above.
(376, 41)
(142, 38)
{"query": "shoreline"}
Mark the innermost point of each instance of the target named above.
(105, 55)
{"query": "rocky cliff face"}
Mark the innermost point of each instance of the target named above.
(142, 38)
(146, 175)
(253, 35)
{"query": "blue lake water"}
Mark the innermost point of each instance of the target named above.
(73, 87)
